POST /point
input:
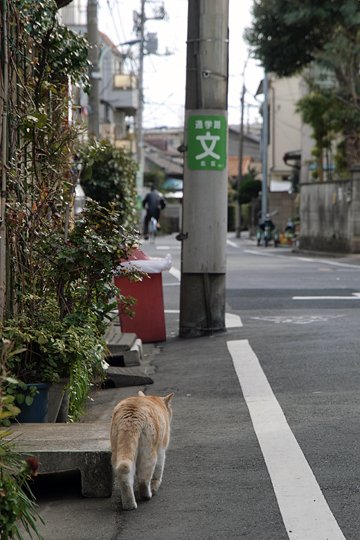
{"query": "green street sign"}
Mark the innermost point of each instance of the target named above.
(206, 146)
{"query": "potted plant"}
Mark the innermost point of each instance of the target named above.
(60, 334)
(17, 503)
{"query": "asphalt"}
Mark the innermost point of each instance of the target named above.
(213, 452)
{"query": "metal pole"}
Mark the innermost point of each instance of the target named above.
(204, 223)
(94, 74)
(140, 114)
(4, 156)
(241, 159)
(264, 149)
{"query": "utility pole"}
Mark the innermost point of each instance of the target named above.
(94, 74)
(144, 48)
(140, 114)
(264, 148)
(241, 159)
(204, 224)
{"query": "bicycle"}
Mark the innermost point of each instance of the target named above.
(153, 226)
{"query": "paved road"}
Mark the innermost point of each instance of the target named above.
(300, 317)
(265, 440)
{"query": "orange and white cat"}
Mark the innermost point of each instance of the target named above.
(140, 435)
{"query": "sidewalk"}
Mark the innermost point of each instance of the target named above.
(199, 372)
(212, 457)
(205, 446)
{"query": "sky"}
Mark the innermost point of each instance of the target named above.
(165, 73)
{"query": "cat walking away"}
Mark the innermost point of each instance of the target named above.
(140, 434)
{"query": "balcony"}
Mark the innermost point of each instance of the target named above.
(126, 144)
(123, 94)
(123, 81)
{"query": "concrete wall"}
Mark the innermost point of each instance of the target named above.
(330, 216)
(282, 206)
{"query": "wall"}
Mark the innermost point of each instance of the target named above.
(284, 124)
(330, 216)
(283, 204)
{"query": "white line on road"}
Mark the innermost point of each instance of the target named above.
(232, 244)
(356, 296)
(261, 253)
(302, 505)
(303, 259)
(231, 320)
(166, 248)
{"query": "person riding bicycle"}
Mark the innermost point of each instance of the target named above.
(153, 204)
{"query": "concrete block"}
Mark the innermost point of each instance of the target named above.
(65, 447)
(135, 355)
(132, 356)
(122, 377)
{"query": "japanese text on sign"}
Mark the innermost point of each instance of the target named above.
(207, 142)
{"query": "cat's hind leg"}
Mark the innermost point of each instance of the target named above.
(126, 473)
(158, 471)
(144, 471)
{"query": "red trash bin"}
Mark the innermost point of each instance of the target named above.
(148, 322)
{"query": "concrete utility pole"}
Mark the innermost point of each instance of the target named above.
(264, 148)
(140, 113)
(94, 74)
(145, 47)
(241, 159)
(204, 224)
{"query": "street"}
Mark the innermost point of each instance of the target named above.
(300, 316)
(265, 436)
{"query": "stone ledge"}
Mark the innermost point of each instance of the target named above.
(65, 447)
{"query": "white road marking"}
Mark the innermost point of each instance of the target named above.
(231, 320)
(297, 319)
(253, 252)
(231, 243)
(355, 296)
(163, 248)
(303, 259)
(302, 505)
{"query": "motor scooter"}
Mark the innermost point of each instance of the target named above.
(266, 234)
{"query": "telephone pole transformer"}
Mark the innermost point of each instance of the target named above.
(204, 223)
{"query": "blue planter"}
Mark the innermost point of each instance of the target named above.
(38, 410)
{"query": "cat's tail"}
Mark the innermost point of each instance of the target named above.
(126, 450)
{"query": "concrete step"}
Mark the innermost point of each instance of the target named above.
(122, 340)
(129, 376)
(66, 447)
(125, 344)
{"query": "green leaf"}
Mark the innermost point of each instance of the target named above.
(29, 400)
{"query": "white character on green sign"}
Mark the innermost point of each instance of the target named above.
(208, 143)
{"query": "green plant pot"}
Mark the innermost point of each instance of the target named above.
(37, 412)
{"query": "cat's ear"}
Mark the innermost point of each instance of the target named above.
(140, 393)
(168, 398)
